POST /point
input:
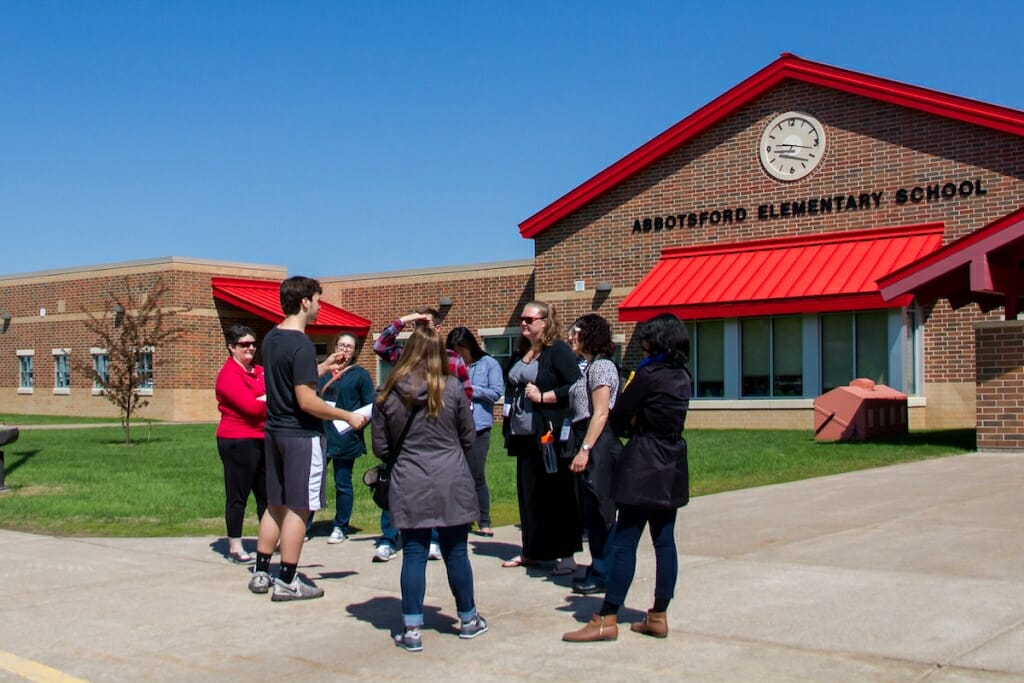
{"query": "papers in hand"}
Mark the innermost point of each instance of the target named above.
(343, 426)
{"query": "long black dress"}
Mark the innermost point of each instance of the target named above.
(549, 512)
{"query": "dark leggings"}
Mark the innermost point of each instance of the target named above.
(244, 471)
(478, 468)
(628, 529)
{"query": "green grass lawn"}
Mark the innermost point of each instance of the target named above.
(86, 482)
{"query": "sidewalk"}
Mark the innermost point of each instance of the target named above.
(911, 572)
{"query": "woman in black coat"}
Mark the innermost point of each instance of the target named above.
(537, 403)
(651, 480)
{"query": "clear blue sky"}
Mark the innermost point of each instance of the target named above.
(346, 137)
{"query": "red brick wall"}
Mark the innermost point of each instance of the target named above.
(70, 297)
(872, 146)
(1000, 385)
(489, 296)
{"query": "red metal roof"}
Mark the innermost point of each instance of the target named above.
(787, 66)
(262, 298)
(808, 274)
(985, 267)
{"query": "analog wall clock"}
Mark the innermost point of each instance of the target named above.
(792, 145)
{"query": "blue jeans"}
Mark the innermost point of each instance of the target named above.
(343, 494)
(628, 529)
(388, 533)
(414, 571)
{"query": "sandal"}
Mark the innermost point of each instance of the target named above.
(241, 558)
(486, 532)
(517, 561)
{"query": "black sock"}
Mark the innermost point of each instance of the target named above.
(608, 609)
(661, 604)
(287, 572)
(263, 562)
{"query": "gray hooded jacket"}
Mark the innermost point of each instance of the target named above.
(431, 485)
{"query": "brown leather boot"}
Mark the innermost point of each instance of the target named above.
(599, 628)
(654, 624)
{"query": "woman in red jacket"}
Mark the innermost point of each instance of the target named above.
(242, 401)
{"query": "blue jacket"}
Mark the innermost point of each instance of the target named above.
(488, 386)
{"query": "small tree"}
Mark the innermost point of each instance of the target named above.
(130, 327)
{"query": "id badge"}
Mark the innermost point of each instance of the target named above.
(506, 410)
(566, 430)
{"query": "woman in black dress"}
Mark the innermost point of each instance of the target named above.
(537, 405)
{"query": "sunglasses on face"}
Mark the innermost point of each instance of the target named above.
(529, 320)
(247, 345)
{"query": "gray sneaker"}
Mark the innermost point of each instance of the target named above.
(410, 639)
(260, 582)
(296, 590)
(472, 628)
(384, 552)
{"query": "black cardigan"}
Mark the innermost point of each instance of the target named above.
(557, 370)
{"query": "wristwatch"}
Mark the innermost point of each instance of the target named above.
(585, 447)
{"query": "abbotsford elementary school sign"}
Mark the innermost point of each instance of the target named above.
(813, 206)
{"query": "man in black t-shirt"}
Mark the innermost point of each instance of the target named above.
(294, 439)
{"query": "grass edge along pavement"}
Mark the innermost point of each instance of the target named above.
(86, 482)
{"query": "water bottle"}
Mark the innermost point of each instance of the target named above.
(547, 445)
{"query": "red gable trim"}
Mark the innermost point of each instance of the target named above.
(806, 274)
(787, 66)
(985, 267)
(262, 298)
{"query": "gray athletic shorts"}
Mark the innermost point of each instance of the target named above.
(295, 471)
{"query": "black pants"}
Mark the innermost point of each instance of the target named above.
(549, 511)
(478, 467)
(244, 472)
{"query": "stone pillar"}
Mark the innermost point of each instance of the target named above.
(999, 382)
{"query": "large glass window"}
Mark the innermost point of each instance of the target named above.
(26, 379)
(100, 361)
(755, 353)
(709, 359)
(144, 370)
(787, 357)
(854, 345)
(771, 351)
(501, 347)
(61, 371)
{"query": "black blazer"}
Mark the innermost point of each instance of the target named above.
(652, 470)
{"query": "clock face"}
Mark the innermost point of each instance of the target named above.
(792, 145)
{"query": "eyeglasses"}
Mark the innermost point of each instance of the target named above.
(529, 320)
(246, 345)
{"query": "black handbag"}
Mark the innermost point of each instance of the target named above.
(378, 478)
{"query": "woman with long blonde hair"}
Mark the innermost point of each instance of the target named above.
(431, 484)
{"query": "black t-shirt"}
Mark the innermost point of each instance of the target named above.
(289, 359)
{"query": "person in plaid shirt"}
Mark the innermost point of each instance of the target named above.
(386, 348)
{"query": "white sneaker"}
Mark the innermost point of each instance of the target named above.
(384, 552)
(435, 552)
(337, 536)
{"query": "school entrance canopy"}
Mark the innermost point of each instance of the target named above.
(792, 275)
(985, 267)
(262, 298)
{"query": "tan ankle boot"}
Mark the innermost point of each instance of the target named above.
(654, 624)
(599, 628)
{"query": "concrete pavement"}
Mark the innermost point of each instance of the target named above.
(911, 572)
